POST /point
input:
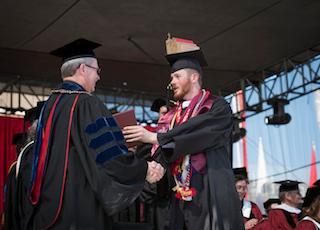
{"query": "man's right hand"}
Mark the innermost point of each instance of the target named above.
(155, 172)
(138, 133)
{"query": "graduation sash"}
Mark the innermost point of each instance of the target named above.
(182, 168)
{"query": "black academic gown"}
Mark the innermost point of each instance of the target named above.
(155, 197)
(17, 205)
(208, 133)
(101, 177)
(10, 205)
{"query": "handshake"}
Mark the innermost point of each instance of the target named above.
(155, 172)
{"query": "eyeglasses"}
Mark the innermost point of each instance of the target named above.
(96, 68)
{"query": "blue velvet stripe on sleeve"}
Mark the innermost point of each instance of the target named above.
(106, 139)
(101, 140)
(124, 148)
(112, 122)
(118, 136)
(95, 127)
(108, 154)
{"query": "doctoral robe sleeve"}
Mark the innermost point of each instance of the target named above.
(208, 130)
(115, 176)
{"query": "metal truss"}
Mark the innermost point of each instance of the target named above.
(294, 81)
(19, 95)
(291, 81)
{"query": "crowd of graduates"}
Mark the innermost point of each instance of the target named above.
(288, 211)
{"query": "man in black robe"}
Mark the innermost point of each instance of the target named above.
(81, 171)
(16, 200)
(194, 139)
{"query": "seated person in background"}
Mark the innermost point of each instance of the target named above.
(250, 211)
(285, 215)
(310, 210)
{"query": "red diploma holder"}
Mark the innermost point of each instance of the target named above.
(124, 119)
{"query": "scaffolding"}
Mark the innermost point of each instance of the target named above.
(17, 96)
(291, 81)
(294, 81)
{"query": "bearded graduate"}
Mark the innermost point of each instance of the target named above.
(194, 139)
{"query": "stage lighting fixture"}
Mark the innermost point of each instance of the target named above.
(237, 131)
(279, 116)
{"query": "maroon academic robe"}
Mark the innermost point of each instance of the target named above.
(281, 219)
(255, 213)
(306, 225)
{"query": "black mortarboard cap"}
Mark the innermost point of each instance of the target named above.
(240, 173)
(76, 49)
(191, 60)
(271, 201)
(34, 113)
(193, 55)
(311, 194)
(157, 104)
(19, 138)
(288, 185)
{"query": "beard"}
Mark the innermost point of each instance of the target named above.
(179, 95)
(180, 92)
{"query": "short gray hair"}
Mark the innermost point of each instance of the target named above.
(69, 68)
(282, 195)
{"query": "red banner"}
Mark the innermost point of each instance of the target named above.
(8, 127)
